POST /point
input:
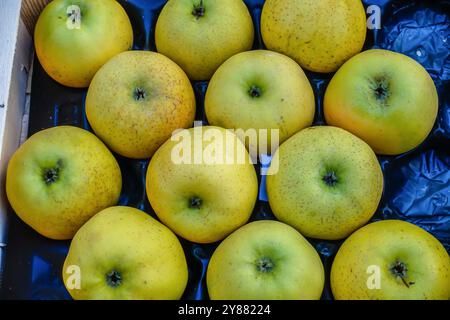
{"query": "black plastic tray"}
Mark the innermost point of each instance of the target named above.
(417, 184)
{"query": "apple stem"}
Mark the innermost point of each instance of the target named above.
(404, 281)
(399, 270)
(199, 10)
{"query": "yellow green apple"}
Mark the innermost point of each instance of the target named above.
(136, 100)
(123, 253)
(199, 35)
(260, 90)
(59, 178)
(199, 187)
(391, 260)
(386, 98)
(328, 183)
(319, 34)
(73, 38)
(265, 260)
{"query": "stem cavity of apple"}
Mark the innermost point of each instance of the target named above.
(380, 86)
(254, 91)
(265, 265)
(139, 94)
(199, 10)
(195, 202)
(330, 178)
(51, 175)
(399, 270)
(114, 279)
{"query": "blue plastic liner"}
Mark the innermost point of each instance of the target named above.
(417, 184)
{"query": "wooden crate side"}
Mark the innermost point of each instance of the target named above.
(15, 59)
(30, 12)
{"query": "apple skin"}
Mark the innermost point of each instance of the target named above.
(126, 241)
(384, 244)
(134, 126)
(88, 180)
(285, 98)
(392, 124)
(319, 34)
(200, 45)
(329, 183)
(72, 56)
(227, 192)
(235, 271)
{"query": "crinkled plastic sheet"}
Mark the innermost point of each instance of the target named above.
(417, 184)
